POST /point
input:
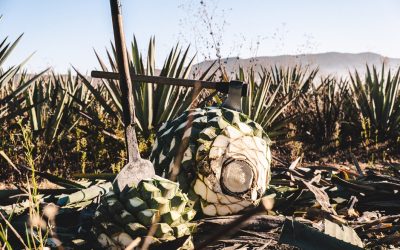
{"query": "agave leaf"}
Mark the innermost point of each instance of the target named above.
(305, 237)
(62, 182)
(55, 119)
(8, 49)
(21, 88)
(7, 75)
(9, 161)
(85, 194)
(96, 94)
(114, 93)
(33, 116)
(96, 176)
(111, 86)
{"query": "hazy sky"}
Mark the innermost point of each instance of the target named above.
(64, 32)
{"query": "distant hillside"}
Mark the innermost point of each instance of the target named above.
(331, 63)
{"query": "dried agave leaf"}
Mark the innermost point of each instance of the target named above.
(322, 197)
(305, 237)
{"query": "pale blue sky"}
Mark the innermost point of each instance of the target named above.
(64, 32)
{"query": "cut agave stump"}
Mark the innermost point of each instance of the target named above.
(154, 202)
(226, 166)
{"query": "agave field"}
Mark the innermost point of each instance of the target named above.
(324, 158)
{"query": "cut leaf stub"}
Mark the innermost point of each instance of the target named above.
(227, 162)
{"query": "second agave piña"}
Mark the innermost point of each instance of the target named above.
(155, 202)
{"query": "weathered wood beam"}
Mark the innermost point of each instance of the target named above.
(222, 87)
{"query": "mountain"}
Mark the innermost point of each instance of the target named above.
(331, 63)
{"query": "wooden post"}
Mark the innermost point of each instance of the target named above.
(128, 105)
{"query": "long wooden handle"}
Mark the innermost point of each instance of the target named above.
(128, 105)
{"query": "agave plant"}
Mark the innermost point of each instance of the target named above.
(54, 104)
(12, 102)
(5, 50)
(377, 100)
(292, 80)
(154, 103)
(56, 109)
(11, 88)
(271, 93)
(155, 203)
(322, 112)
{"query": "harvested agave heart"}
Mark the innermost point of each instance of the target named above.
(226, 163)
(156, 202)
